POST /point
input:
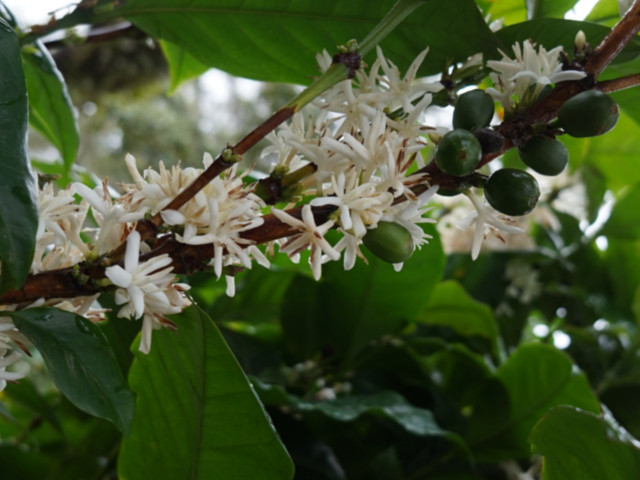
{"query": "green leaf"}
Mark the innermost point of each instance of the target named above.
(452, 307)
(197, 416)
(548, 8)
(512, 11)
(536, 377)
(605, 12)
(579, 444)
(18, 203)
(346, 310)
(50, 108)
(386, 404)
(80, 361)
(278, 42)
(182, 65)
(619, 144)
(624, 221)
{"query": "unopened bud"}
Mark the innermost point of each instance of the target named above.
(580, 41)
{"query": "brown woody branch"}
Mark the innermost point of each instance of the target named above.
(72, 282)
(84, 279)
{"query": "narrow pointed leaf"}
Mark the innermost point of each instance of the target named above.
(18, 204)
(182, 65)
(197, 415)
(50, 108)
(80, 360)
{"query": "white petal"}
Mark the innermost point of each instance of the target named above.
(133, 251)
(118, 275)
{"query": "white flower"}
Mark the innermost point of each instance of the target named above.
(10, 341)
(523, 78)
(484, 216)
(146, 290)
(112, 218)
(358, 205)
(311, 236)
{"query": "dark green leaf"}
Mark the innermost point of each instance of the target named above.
(346, 310)
(452, 307)
(80, 361)
(26, 393)
(536, 378)
(390, 405)
(182, 65)
(278, 42)
(50, 108)
(197, 416)
(579, 444)
(18, 203)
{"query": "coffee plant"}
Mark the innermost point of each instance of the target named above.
(431, 273)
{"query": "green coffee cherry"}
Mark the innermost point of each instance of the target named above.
(458, 153)
(511, 191)
(390, 242)
(544, 154)
(473, 110)
(588, 114)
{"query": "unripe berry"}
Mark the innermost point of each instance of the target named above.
(588, 114)
(389, 241)
(458, 153)
(511, 191)
(473, 110)
(544, 154)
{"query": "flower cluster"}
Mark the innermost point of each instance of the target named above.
(362, 156)
(519, 81)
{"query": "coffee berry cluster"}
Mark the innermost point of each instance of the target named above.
(514, 191)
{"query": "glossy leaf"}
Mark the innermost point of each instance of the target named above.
(50, 108)
(278, 42)
(182, 65)
(80, 361)
(452, 307)
(18, 204)
(389, 405)
(536, 377)
(198, 417)
(580, 444)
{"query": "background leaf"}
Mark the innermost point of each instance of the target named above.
(80, 361)
(346, 310)
(50, 108)
(278, 42)
(198, 417)
(182, 65)
(536, 377)
(18, 204)
(548, 8)
(452, 307)
(579, 444)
